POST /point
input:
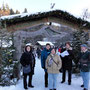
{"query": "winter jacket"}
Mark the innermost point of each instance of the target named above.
(84, 61)
(28, 58)
(67, 60)
(44, 55)
(56, 64)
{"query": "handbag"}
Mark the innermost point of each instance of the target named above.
(27, 69)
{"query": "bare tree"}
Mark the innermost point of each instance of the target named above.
(85, 14)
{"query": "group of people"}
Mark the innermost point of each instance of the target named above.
(51, 62)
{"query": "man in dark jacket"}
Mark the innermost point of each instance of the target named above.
(26, 59)
(67, 62)
(84, 64)
(44, 55)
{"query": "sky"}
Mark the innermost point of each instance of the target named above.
(75, 7)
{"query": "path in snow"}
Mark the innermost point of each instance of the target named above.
(38, 81)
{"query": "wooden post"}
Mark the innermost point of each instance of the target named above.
(17, 55)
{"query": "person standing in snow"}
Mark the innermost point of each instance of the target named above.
(44, 55)
(53, 65)
(84, 64)
(67, 62)
(38, 52)
(26, 59)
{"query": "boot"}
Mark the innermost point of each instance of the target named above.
(82, 85)
(31, 86)
(30, 82)
(46, 85)
(62, 81)
(69, 83)
(85, 89)
(54, 89)
(25, 88)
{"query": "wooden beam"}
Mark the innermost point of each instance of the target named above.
(28, 24)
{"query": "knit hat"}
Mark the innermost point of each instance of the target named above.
(84, 45)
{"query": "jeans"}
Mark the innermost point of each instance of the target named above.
(52, 80)
(85, 77)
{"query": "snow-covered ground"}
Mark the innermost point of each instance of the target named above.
(38, 81)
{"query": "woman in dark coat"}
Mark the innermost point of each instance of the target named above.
(28, 58)
(67, 63)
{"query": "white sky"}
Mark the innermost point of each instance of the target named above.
(75, 7)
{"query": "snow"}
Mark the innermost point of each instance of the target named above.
(38, 81)
(54, 24)
(32, 13)
(16, 15)
(28, 44)
(23, 14)
(43, 43)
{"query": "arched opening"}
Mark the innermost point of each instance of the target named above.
(37, 28)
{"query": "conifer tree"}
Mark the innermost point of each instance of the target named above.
(3, 7)
(79, 37)
(25, 10)
(7, 63)
(17, 12)
(11, 12)
(7, 7)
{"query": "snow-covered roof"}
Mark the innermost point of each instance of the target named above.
(16, 15)
(43, 43)
(28, 44)
(24, 17)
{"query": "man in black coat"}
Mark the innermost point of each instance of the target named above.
(66, 57)
(84, 65)
(27, 58)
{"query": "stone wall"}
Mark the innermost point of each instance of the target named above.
(23, 37)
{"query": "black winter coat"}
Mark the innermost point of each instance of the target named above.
(84, 61)
(28, 58)
(67, 60)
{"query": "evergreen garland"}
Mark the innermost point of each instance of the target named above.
(56, 13)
